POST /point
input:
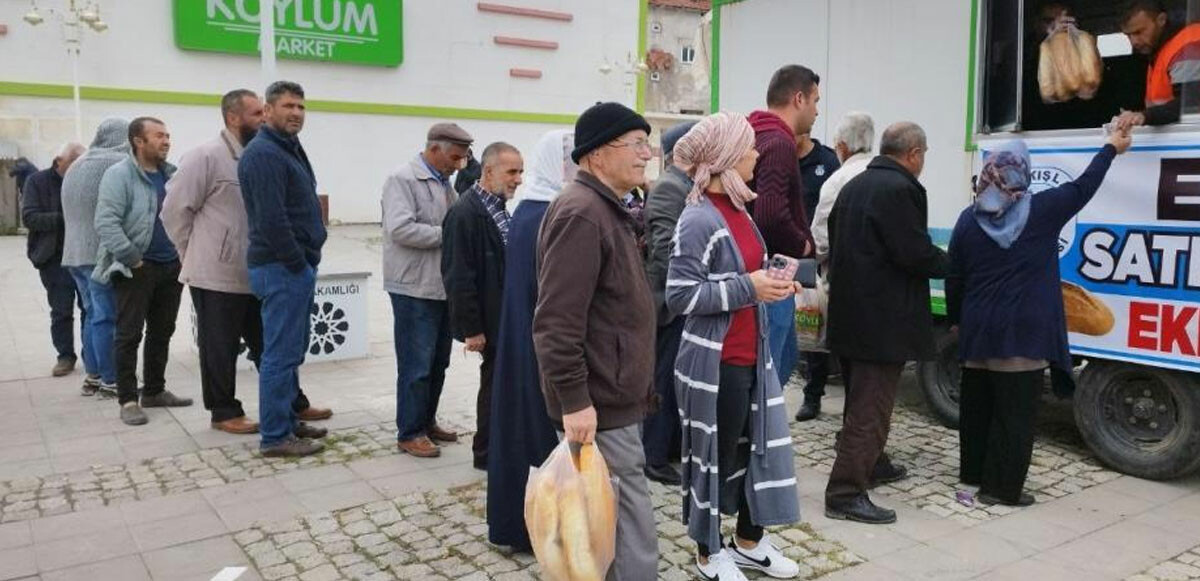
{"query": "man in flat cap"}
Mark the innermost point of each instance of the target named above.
(416, 198)
(593, 329)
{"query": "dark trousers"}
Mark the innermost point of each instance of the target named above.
(818, 375)
(995, 429)
(870, 398)
(733, 446)
(223, 322)
(149, 300)
(62, 296)
(661, 431)
(483, 403)
(421, 334)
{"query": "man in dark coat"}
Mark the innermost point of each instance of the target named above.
(42, 215)
(881, 260)
(660, 432)
(474, 236)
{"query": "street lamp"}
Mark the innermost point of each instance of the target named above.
(76, 15)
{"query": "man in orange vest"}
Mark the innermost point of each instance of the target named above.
(1174, 54)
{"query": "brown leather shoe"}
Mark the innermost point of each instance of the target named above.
(421, 447)
(440, 434)
(238, 425)
(293, 448)
(64, 366)
(313, 414)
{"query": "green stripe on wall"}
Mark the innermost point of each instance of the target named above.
(182, 98)
(643, 16)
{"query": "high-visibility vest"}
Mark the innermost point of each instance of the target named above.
(1159, 88)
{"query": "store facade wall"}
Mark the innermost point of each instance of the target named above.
(453, 69)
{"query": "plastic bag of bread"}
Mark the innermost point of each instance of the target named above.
(571, 514)
(1069, 64)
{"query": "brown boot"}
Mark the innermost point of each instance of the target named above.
(421, 447)
(313, 414)
(440, 434)
(238, 425)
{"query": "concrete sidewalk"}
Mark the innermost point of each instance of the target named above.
(83, 496)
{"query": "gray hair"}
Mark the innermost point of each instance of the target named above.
(491, 152)
(71, 150)
(857, 132)
(900, 138)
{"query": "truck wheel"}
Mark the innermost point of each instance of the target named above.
(1142, 421)
(940, 379)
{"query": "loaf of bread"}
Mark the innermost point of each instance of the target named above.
(575, 530)
(541, 517)
(601, 502)
(1069, 64)
(1085, 313)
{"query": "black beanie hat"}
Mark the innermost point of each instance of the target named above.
(602, 123)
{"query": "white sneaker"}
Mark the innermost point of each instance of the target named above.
(720, 567)
(766, 557)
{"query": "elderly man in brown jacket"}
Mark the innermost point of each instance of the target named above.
(593, 330)
(205, 217)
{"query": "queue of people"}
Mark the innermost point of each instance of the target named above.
(659, 339)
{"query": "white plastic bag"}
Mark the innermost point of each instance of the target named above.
(812, 307)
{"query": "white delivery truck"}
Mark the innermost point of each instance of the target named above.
(966, 70)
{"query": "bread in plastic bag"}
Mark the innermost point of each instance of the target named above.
(571, 514)
(1069, 64)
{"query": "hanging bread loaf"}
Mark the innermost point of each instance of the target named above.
(601, 502)
(1047, 76)
(1066, 62)
(542, 519)
(574, 528)
(1069, 64)
(1090, 64)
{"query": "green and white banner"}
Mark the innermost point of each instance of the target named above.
(365, 32)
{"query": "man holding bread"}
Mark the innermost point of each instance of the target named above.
(593, 329)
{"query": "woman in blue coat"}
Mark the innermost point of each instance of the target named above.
(1005, 295)
(521, 432)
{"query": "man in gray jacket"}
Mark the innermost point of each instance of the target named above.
(205, 217)
(415, 201)
(141, 262)
(660, 433)
(80, 190)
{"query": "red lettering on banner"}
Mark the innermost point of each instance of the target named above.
(1143, 322)
(1174, 330)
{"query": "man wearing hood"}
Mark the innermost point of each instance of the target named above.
(660, 432)
(142, 264)
(792, 99)
(41, 212)
(80, 190)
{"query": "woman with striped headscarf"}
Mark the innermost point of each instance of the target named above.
(737, 453)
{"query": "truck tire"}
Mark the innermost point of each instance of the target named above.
(1141, 421)
(940, 379)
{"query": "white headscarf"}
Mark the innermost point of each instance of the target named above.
(550, 162)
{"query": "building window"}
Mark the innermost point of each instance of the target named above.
(687, 54)
(655, 76)
(656, 27)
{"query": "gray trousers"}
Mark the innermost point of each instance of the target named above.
(637, 540)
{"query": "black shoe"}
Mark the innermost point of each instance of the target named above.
(304, 430)
(165, 399)
(292, 448)
(862, 510)
(887, 474)
(1026, 499)
(663, 474)
(809, 411)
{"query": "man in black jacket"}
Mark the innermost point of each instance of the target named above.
(41, 212)
(881, 260)
(660, 431)
(474, 235)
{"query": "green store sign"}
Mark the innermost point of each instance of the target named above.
(365, 32)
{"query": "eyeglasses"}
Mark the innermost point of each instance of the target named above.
(638, 145)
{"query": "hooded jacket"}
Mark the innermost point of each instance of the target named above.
(81, 189)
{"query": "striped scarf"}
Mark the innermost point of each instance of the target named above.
(496, 207)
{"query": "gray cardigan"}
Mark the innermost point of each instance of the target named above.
(81, 188)
(125, 216)
(706, 282)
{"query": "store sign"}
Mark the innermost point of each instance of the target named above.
(365, 32)
(1135, 250)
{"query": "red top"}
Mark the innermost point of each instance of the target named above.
(741, 341)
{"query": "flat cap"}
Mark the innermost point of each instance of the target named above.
(450, 133)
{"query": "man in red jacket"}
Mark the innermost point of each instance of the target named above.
(779, 212)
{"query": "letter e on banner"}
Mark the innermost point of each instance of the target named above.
(1143, 324)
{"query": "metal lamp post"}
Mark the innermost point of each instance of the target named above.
(76, 16)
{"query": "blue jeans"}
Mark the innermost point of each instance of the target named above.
(421, 331)
(100, 320)
(286, 298)
(781, 318)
